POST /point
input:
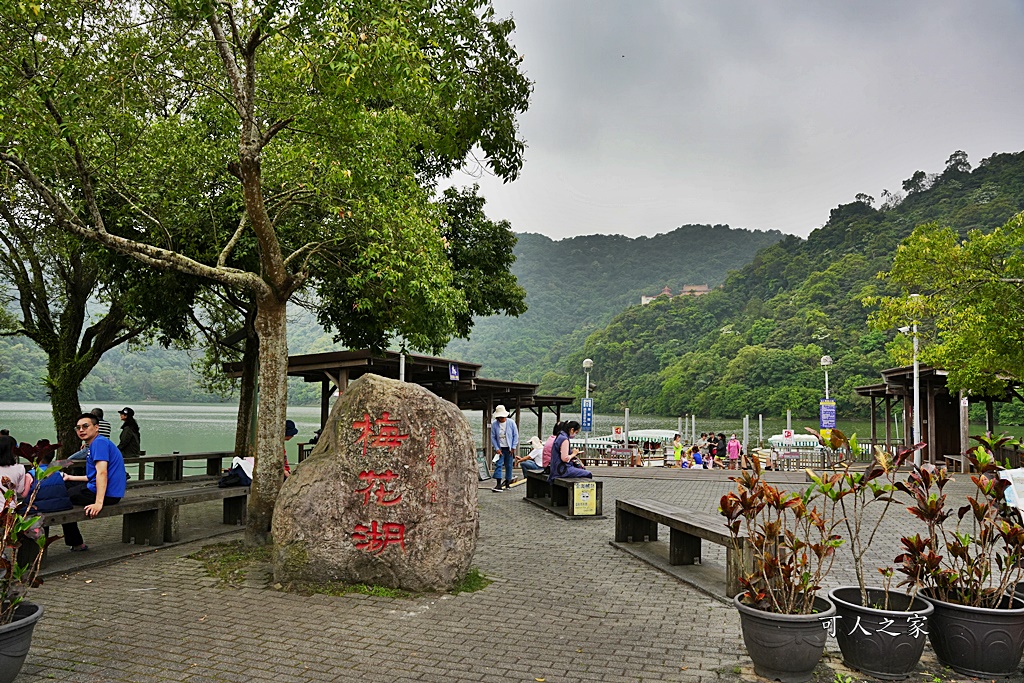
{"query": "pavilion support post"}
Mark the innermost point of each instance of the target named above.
(888, 422)
(929, 454)
(874, 423)
(540, 423)
(908, 422)
(488, 453)
(965, 423)
(990, 418)
(325, 401)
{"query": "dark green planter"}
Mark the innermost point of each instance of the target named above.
(16, 638)
(978, 641)
(886, 644)
(785, 647)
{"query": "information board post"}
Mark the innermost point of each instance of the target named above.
(827, 409)
(587, 413)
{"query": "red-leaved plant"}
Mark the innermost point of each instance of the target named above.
(850, 492)
(18, 525)
(793, 544)
(979, 560)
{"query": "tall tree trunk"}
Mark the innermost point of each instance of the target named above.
(271, 326)
(63, 385)
(245, 443)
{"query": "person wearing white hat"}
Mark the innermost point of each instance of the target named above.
(535, 460)
(505, 439)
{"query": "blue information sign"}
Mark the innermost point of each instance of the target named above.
(828, 413)
(453, 372)
(587, 415)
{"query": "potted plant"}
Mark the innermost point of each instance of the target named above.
(880, 632)
(23, 545)
(792, 545)
(969, 571)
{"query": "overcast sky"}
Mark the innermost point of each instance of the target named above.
(650, 114)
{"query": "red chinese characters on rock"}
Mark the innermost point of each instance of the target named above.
(431, 486)
(380, 433)
(378, 536)
(380, 487)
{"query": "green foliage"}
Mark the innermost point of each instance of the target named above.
(966, 296)
(754, 345)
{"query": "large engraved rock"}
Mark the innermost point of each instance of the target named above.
(388, 497)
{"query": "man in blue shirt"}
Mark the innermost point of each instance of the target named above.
(104, 482)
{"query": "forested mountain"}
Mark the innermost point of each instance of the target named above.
(576, 286)
(751, 346)
(754, 345)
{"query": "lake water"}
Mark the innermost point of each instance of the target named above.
(194, 428)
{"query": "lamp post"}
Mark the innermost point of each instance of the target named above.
(916, 435)
(825, 362)
(587, 365)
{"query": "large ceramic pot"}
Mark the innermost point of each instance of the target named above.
(886, 644)
(785, 647)
(978, 641)
(16, 638)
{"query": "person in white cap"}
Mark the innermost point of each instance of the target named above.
(535, 460)
(505, 439)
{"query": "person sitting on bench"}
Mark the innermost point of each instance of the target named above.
(565, 464)
(534, 461)
(104, 482)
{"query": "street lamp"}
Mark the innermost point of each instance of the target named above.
(825, 362)
(587, 365)
(916, 392)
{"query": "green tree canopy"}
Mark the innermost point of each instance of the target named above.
(967, 296)
(321, 127)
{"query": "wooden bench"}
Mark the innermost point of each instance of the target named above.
(153, 519)
(143, 518)
(235, 500)
(637, 520)
(566, 497)
(954, 463)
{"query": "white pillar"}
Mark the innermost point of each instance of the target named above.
(917, 402)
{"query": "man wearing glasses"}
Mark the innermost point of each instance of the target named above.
(104, 482)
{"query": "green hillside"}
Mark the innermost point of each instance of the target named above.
(576, 286)
(754, 346)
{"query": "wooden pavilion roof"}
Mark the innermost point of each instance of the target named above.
(471, 391)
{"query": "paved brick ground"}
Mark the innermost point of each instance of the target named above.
(157, 617)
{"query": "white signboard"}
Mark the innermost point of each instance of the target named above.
(1015, 491)
(788, 437)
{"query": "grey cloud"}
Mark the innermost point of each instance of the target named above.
(648, 115)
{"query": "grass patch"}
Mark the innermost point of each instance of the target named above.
(338, 589)
(472, 582)
(230, 562)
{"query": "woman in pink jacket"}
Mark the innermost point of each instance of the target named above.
(733, 449)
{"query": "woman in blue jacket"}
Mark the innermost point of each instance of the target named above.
(505, 439)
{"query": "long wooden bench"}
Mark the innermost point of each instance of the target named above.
(566, 497)
(153, 518)
(637, 520)
(235, 500)
(143, 518)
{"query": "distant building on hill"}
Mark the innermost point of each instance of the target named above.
(688, 290)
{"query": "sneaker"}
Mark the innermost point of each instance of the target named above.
(79, 548)
(497, 489)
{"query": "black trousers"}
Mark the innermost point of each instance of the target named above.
(80, 494)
